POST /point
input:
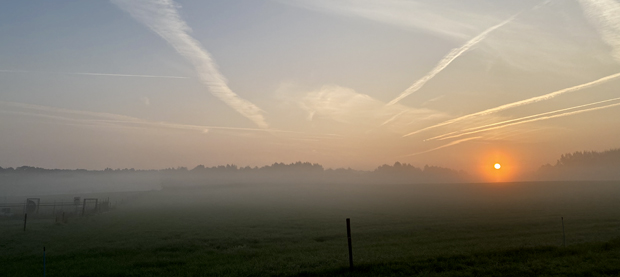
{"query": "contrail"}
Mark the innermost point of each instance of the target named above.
(455, 53)
(98, 118)
(55, 117)
(393, 117)
(67, 111)
(519, 119)
(96, 74)
(123, 75)
(605, 16)
(162, 17)
(521, 103)
(533, 120)
(443, 146)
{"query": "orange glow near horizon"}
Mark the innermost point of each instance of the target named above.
(498, 166)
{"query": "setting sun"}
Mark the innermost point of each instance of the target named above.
(498, 166)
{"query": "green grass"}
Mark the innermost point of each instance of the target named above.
(592, 259)
(439, 230)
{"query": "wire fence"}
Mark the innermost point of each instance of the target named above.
(36, 208)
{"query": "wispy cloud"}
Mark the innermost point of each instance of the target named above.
(537, 118)
(605, 16)
(345, 105)
(521, 103)
(146, 101)
(455, 53)
(162, 17)
(427, 17)
(96, 74)
(443, 146)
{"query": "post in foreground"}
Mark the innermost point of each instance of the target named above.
(349, 239)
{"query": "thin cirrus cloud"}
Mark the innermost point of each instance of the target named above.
(520, 103)
(447, 60)
(162, 18)
(605, 16)
(487, 127)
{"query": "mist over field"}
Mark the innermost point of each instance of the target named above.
(26, 180)
(298, 229)
(288, 219)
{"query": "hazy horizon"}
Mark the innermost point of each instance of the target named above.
(345, 84)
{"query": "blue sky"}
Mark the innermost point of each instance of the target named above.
(111, 84)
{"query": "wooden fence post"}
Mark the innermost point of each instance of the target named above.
(83, 206)
(349, 240)
(563, 234)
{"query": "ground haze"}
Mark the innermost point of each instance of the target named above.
(261, 230)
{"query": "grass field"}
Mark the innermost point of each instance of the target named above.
(511, 229)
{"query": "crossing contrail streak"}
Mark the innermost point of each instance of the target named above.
(521, 103)
(521, 118)
(161, 16)
(443, 146)
(455, 53)
(532, 120)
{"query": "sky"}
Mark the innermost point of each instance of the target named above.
(344, 83)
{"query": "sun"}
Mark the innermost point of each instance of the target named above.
(497, 166)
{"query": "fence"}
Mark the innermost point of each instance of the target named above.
(35, 207)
